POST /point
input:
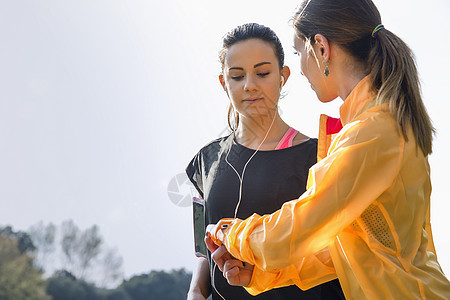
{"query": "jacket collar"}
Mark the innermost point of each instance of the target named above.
(357, 102)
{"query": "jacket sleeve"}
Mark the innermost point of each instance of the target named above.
(363, 162)
(309, 272)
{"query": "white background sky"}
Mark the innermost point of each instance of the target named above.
(103, 102)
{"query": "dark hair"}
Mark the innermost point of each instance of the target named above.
(245, 32)
(387, 60)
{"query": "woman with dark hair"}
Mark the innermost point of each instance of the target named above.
(261, 164)
(368, 198)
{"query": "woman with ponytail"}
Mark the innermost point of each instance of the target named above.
(366, 213)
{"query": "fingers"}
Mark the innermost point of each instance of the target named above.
(220, 253)
(231, 274)
(237, 273)
(215, 233)
(220, 256)
(210, 244)
(231, 267)
(211, 229)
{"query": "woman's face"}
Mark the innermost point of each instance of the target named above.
(312, 67)
(252, 78)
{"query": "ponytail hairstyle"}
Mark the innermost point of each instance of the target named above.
(387, 60)
(242, 33)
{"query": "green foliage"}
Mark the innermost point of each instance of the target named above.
(158, 285)
(118, 294)
(24, 241)
(64, 286)
(18, 278)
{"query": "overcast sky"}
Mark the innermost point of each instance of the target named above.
(103, 104)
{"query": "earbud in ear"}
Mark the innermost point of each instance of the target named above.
(282, 80)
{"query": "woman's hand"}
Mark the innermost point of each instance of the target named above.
(236, 272)
(215, 231)
(218, 253)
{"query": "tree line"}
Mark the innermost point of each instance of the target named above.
(65, 263)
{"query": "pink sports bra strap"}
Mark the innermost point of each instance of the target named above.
(286, 140)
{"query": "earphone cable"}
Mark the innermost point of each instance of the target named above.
(241, 181)
(241, 177)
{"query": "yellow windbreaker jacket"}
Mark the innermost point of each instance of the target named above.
(363, 219)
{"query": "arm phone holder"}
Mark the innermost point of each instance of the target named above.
(198, 206)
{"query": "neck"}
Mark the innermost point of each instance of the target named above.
(346, 86)
(252, 131)
(349, 73)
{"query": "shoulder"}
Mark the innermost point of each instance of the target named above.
(307, 146)
(306, 151)
(312, 142)
(203, 160)
(375, 126)
(379, 122)
(215, 146)
(211, 151)
(309, 149)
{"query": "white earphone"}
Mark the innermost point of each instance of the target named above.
(282, 80)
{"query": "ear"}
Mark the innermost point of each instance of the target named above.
(222, 82)
(285, 73)
(322, 48)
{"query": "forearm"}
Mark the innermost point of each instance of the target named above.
(201, 280)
